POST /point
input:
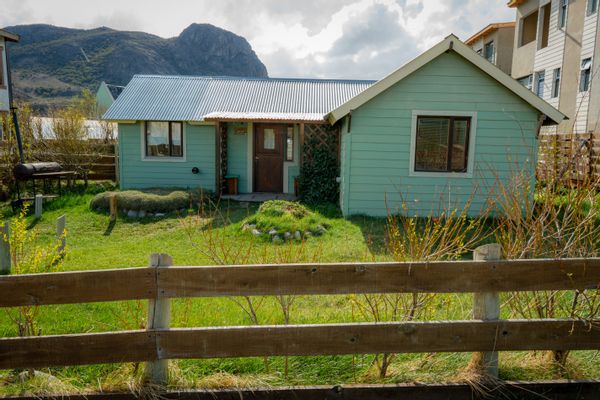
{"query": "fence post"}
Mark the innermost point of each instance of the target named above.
(159, 317)
(38, 205)
(61, 226)
(486, 306)
(5, 260)
(112, 200)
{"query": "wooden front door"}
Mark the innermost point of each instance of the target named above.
(268, 158)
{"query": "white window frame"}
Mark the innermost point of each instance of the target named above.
(471, 150)
(556, 80)
(591, 4)
(563, 14)
(144, 157)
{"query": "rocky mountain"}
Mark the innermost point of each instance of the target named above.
(51, 64)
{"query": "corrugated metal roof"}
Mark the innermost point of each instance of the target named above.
(188, 98)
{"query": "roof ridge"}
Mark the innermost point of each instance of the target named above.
(250, 78)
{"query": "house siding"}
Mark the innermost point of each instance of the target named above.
(237, 154)
(376, 152)
(136, 173)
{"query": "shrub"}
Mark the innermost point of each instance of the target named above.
(137, 200)
(286, 216)
(318, 176)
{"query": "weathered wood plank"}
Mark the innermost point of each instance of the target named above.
(441, 277)
(548, 390)
(80, 349)
(77, 287)
(367, 338)
(252, 280)
(297, 340)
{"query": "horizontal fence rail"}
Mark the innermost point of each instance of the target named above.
(160, 282)
(299, 340)
(300, 279)
(548, 390)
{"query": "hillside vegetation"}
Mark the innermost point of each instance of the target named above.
(52, 64)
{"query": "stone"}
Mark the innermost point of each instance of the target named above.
(272, 232)
(277, 239)
(298, 235)
(287, 236)
(307, 234)
(132, 214)
(246, 227)
(142, 214)
(256, 232)
(158, 215)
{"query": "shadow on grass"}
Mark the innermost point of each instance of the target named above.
(373, 231)
(110, 227)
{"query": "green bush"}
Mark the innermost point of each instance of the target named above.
(318, 176)
(137, 200)
(286, 216)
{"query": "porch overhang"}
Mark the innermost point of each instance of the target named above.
(292, 118)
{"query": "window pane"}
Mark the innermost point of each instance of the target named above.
(489, 52)
(176, 140)
(289, 150)
(459, 145)
(431, 153)
(269, 139)
(157, 139)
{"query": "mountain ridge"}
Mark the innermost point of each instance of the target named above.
(51, 64)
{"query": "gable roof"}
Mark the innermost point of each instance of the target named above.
(488, 30)
(114, 90)
(11, 37)
(201, 98)
(451, 43)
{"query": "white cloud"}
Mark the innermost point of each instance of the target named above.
(331, 38)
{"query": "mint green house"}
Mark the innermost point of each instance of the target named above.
(437, 133)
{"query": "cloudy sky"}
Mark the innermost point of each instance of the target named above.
(302, 38)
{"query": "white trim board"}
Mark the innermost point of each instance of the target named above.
(143, 156)
(471, 150)
(451, 43)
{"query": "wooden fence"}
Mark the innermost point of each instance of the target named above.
(572, 157)
(159, 283)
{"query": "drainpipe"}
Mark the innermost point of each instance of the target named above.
(13, 109)
(541, 120)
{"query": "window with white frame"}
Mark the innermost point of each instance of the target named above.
(592, 7)
(562, 13)
(586, 75)
(556, 83)
(540, 81)
(164, 139)
(441, 143)
(489, 52)
(526, 81)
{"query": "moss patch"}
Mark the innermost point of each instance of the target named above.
(141, 201)
(280, 220)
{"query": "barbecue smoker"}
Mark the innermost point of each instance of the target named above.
(38, 171)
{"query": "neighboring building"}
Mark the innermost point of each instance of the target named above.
(106, 95)
(94, 129)
(436, 133)
(4, 77)
(495, 44)
(556, 47)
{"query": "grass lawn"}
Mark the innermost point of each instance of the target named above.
(94, 243)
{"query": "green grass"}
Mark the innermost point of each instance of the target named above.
(96, 243)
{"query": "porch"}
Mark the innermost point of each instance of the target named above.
(258, 160)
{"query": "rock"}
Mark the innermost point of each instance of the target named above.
(298, 235)
(277, 239)
(307, 234)
(256, 232)
(287, 236)
(132, 214)
(142, 214)
(246, 227)
(25, 375)
(158, 215)
(272, 232)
